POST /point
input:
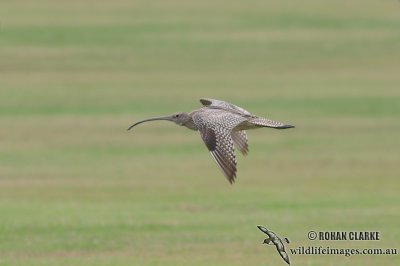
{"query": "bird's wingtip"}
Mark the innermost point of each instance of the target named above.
(285, 127)
(233, 178)
(262, 228)
(205, 101)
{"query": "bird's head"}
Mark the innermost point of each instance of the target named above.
(178, 118)
(267, 241)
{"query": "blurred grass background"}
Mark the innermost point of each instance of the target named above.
(77, 189)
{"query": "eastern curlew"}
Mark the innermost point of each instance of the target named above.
(221, 124)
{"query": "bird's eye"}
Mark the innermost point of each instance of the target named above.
(176, 116)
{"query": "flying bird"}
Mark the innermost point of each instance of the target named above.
(273, 239)
(221, 125)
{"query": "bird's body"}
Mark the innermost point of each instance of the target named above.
(221, 125)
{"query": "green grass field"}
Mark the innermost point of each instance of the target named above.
(77, 189)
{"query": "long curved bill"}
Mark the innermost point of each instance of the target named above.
(168, 118)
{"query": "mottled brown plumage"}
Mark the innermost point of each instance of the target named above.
(221, 125)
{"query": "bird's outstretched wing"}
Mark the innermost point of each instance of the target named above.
(240, 140)
(215, 128)
(284, 256)
(213, 103)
